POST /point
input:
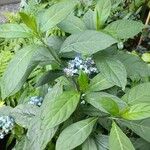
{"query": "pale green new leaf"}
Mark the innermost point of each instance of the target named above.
(102, 12)
(72, 24)
(118, 140)
(137, 112)
(61, 108)
(87, 42)
(15, 31)
(99, 82)
(55, 14)
(140, 127)
(89, 144)
(124, 29)
(113, 70)
(138, 94)
(75, 134)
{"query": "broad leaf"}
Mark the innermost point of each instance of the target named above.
(29, 20)
(61, 108)
(88, 19)
(15, 31)
(87, 42)
(105, 102)
(124, 29)
(102, 12)
(113, 70)
(89, 144)
(141, 127)
(55, 14)
(137, 112)
(38, 136)
(72, 24)
(23, 114)
(75, 134)
(99, 82)
(5, 110)
(138, 68)
(20, 68)
(118, 140)
(102, 142)
(138, 94)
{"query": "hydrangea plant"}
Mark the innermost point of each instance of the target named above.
(93, 95)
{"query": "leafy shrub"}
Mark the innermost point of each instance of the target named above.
(91, 95)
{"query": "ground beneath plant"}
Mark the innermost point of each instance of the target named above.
(7, 8)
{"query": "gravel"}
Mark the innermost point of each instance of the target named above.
(7, 8)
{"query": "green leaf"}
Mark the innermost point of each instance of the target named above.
(5, 110)
(29, 20)
(15, 31)
(88, 19)
(72, 24)
(102, 142)
(87, 42)
(102, 12)
(55, 14)
(137, 112)
(124, 29)
(138, 94)
(105, 102)
(83, 81)
(61, 108)
(99, 83)
(20, 68)
(75, 134)
(118, 140)
(140, 127)
(89, 144)
(49, 77)
(113, 70)
(138, 69)
(23, 114)
(38, 136)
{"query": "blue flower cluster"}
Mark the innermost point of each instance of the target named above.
(86, 65)
(6, 125)
(36, 100)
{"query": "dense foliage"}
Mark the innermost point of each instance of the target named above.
(78, 77)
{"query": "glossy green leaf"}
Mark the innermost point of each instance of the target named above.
(38, 136)
(55, 14)
(75, 134)
(102, 12)
(72, 24)
(87, 42)
(99, 83)
(138, 69)
(124, 29)
(61, 108)
(113, 70)
(105, 102)
(89, 144)
(102, 142)
(88, 19)
(137, 112)
(29, 20)
(118, 140)
(138, 94)
(20, 68)
(24, 113)
(15, 31)
(140, 127)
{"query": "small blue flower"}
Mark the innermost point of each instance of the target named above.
(76, 65)
(6, 125)
(36, 100)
